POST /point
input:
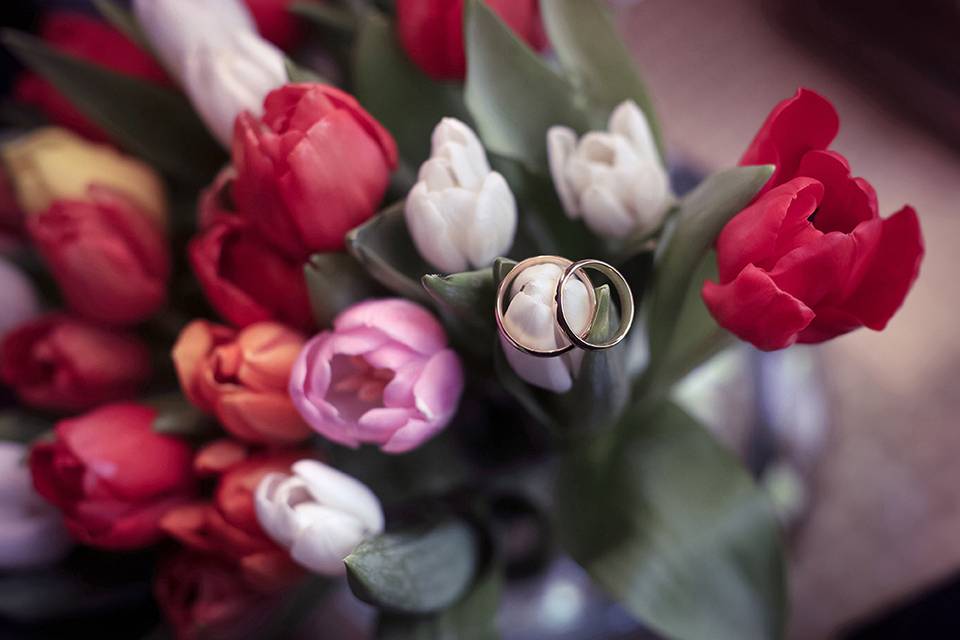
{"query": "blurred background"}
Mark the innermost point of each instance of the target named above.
(877, 555)
(879, 552)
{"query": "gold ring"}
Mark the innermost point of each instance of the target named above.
(624, 294)
(504, 287)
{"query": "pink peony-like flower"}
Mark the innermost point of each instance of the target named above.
(383, 375)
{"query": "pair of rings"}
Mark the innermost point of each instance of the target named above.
(570, 270)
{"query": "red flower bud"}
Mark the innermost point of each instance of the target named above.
(109, 257)
(113, 477)
(431, 32)
(315, 166)
(245, 279)
(60, 363)
(91, 40)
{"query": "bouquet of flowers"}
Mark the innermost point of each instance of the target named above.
(398, 292)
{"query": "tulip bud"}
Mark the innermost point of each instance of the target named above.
(19, 298)
(460, 214)
(242, 378)
(213, 48)
(109, 258)
(531, 319)
(65, 364)
(319, 513)
(244, 278)
(315, 166)
(32, 534)
(612, 179)
(53, 164)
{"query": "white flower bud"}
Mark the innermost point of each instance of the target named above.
(319, 514)
(460, 214)
(213, 49)
(33, 534)
(612, 179)
(531, 319)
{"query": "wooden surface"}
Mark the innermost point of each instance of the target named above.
(886, 523)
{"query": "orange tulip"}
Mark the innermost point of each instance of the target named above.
(241, 377)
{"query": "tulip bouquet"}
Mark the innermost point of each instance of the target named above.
(341, 295)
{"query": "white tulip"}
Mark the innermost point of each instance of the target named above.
(460, 214)
(32, 534)
(613, 179)
(19, 297)
(531, 319)
(213, 49)
(230, 78)
(318, 513)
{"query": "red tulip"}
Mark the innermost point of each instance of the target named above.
(112, 476)
(275, 22)
(109, 257)
(312, 168)
(227, 526)
(203, 596)
(431, 32)
(60, 363)
(810, 259)
(93, 41)
(245, 279)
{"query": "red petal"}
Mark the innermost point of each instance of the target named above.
(773, 225)
(847, 201)
(755, 310)
(892, 271)
(797, 125)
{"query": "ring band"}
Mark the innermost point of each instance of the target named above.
(504, 287)
(624, 294)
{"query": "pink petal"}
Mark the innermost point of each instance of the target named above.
(404, 321)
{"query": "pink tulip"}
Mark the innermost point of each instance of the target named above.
(383, 375)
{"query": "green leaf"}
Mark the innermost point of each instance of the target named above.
(334, 282)
(405, 100)
(601, 389)
(687, 238)
(469, 297)
(513, 96)
(326, 15)
(176, 416)
(149, 121)
(472, 618)
(384, 248)
(669, 524)
(124, 20)
(595, 56)
(416, 571)
(501, 267)
(297, 73)
(22, 427)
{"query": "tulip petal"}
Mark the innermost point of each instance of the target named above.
(773, 225)
(561, 145)
(490, 231)
(894, 268)
(847, 201)
(438, 389)
(795, 126)
(432, 232)
(753, 308)
(329, 538)
(404, 321)
(266, 418)
(337, 490)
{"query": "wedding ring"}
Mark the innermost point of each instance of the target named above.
(624, 294)
(504, 289)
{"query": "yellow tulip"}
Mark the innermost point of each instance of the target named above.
(52, 164)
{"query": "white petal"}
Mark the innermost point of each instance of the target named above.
(630, 122)
(651, 197)
(32, 539)
(552, 374)
(605, 214)
(490, 233)
(330, 537)
(275, 501)
(451, 132)
(539, 281)
(561, 143)
(337, 490)
(437, 174)
(432, 232)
